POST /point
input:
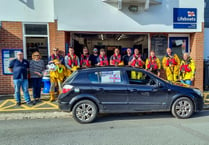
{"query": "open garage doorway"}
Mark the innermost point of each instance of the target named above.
(110, 41)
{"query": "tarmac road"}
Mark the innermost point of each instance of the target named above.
(125, 129)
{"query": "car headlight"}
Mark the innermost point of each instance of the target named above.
(197, 91)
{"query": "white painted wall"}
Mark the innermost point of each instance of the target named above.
(96, 15)
(27, 10)
(206, 43)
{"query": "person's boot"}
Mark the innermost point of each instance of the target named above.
(59, 92)
(52, 97)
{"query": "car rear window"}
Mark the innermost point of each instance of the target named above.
(71, 77)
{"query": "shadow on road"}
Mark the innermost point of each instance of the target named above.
(132, 116)
(135, 116)
(204, 113)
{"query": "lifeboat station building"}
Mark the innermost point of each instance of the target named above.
(144, 24)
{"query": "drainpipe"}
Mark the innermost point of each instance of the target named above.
(146, 7)
(119, 4)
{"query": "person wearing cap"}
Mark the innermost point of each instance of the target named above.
(127, 56)
(93, 57)
(19, 67)
(84, 60)
(55, 55)
(102, 59)
(71, 61)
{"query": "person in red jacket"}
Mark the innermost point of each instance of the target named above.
(84, 60)
(71, 61)
(136, 59)
(102, 59)
(116, 58)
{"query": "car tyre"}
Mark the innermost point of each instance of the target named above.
(182, 108)
(85, 111)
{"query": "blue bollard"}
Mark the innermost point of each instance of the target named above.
(46, 81)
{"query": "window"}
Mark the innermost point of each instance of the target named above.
(35, 29)
(140, 78)
(179, 45)
(112, 77)
(93, 77)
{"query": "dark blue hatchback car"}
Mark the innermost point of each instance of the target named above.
(88, 92)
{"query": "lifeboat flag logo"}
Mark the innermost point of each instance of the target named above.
(191, 13)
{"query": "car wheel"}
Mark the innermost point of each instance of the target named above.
(84, 111)
(182, 108)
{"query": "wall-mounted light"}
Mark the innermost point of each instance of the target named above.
(122, 36)
(102, 36)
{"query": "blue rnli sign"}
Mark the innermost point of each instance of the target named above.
(185, 18)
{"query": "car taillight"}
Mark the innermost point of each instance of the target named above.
(66, 88)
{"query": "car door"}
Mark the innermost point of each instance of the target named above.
(145, 94)
(112, 92)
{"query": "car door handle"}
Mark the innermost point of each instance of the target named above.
(154, 90)
(133, 90)
(100, 89)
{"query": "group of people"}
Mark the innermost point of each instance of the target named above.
(175, 69)
(20, 68)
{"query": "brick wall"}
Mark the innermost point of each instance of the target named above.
(197, 49)
(57, 38)
(10, 37)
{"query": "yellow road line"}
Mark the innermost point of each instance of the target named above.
(8, 106)
(43, 103)
(25, 107)
(5, 102)
(49, 103)
(25, 110)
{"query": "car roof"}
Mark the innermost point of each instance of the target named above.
(109, 68)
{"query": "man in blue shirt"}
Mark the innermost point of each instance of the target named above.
(127, 57)
(19, 67)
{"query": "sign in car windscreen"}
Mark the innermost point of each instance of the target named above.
(185, 18)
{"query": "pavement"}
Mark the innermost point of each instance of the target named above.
(117, 129)
(44, 109)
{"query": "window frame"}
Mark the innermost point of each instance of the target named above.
(144, 72)
(26, 35)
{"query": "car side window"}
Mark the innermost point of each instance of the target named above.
(94, 77)
(111, 77)
(140, 78)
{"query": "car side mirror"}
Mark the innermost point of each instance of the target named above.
(160, 85)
